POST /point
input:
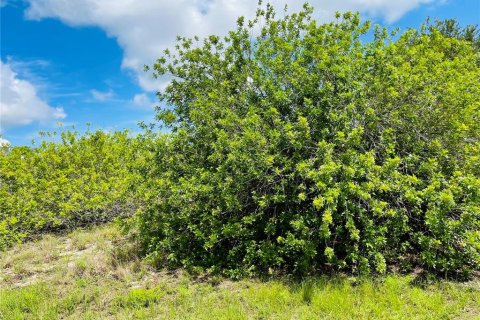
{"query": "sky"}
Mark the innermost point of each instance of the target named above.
(72, 62)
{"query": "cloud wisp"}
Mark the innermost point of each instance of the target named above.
(19, 101)
(142, 100)
(102, 96)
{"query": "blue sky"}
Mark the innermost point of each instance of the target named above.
(81, 61)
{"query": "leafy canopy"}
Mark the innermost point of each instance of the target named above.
(297, 147)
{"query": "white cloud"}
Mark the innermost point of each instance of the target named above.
(145, 28)
(4, 142)
(19, 102)
(143, 101)
(102, 96)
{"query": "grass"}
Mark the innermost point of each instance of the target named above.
(94, 274)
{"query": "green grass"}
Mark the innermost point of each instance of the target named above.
(93, 274)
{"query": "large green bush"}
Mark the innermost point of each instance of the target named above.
(63, 184)
(310, 147)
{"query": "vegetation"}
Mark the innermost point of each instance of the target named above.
(64, 184)
(307, 156)
(310, 148)
(94, 274)
(305, 149)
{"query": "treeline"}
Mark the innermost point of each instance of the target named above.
(308, 148)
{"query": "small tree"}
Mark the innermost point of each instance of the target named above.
(306, 147)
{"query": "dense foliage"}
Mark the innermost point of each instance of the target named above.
(305, 148)
(310, 147)
(63, 184)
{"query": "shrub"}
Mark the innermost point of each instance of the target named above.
(310, 147)
(73, 182)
